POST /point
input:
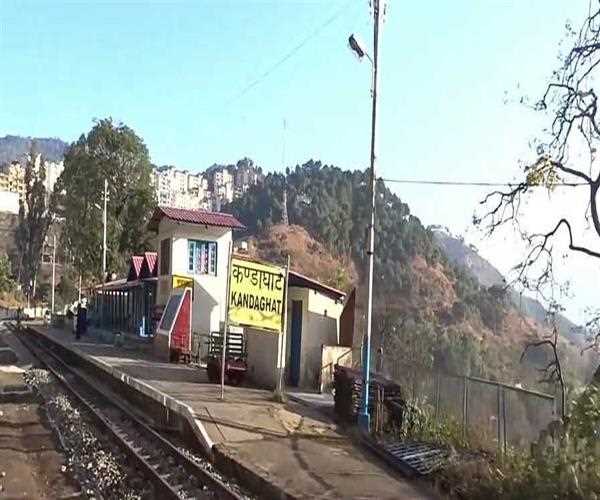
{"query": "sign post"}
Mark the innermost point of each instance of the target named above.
(283, 340)
(256, 295)
(226, 323)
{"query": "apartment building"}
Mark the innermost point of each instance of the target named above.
(208, 190)
(12, 179)
(12, 176)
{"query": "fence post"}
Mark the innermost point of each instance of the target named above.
(504, 433)
(437, 395)
(498, 416)
(465, 405)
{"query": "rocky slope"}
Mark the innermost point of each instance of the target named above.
(13, 147)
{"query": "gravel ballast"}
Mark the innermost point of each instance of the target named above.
(98, 465)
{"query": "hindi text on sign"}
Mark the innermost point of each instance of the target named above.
(256, 294)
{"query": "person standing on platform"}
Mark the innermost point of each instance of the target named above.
(83, 317)
(79, 322)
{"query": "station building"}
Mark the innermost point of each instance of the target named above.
(192, 252)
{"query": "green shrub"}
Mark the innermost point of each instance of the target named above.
(563, 466)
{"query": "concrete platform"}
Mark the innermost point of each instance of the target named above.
(294, 448)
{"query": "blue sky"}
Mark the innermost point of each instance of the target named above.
(451, 76)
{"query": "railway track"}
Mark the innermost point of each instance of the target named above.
(174, 474)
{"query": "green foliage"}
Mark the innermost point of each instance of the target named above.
(410, 342)
(420, 424)
(113, 152)
(458, 353)
(36, 211)
(566, 465)
(585, 415)
(333, 205)
(66, 290)
(6, 281)
(43, 292)
(489, 303)
(426, 345)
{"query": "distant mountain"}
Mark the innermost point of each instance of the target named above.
(13, 147)
(466, 256)
(461, 254)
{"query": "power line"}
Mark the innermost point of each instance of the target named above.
(467, 183)
(291, 53)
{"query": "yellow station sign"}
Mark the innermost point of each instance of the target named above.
(183, 282)
(256, 294)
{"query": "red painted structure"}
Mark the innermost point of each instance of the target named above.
(149, 268)
(181, 337)
(135, 267)
(202, 217)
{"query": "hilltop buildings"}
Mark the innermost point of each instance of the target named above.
(209, 190)
(12, 180)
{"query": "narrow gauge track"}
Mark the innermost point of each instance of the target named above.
(174, 475)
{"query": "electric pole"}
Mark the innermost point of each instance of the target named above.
(363, 416)
(284, 218)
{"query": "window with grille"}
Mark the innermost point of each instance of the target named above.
(165, 256)
(202, 257)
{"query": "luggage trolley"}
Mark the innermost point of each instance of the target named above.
(235, 357)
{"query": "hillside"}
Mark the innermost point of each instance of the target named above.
(420, 295)
(13, 147)
(307, 256)
(466, 256)
(459, 253)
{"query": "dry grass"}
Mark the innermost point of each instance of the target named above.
(307, 256)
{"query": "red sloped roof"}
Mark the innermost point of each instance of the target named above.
(135, 267)
(150, 258)
(301, 280)
(201, 217)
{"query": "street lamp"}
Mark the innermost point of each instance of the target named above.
(359, 50)
(357, 47)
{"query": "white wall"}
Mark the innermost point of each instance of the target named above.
(262, 357)
(320, 326)
(209, 291)
(9, 202)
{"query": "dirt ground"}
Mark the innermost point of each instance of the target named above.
(30, 466)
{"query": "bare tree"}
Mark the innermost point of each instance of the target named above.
(571, 102)
(552, 373)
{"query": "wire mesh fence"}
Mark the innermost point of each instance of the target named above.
(491, 415)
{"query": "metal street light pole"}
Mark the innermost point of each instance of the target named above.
(104, 232)
(102, 305)
(363, 414)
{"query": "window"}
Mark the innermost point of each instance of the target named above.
(165, 256)
(202, 257)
